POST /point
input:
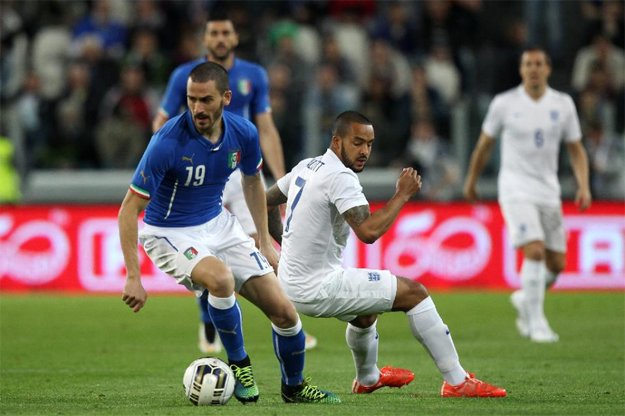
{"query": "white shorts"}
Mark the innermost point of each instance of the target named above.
(234, 201)
(353, 292)
(176, 251)
(527, 222)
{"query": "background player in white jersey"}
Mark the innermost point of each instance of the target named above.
(250, 99)
(324, 199)
(532, 120)
(179, 182)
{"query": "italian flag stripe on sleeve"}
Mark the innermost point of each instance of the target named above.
(260, 164)
(142, 193)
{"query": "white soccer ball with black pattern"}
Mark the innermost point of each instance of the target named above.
(208, 381)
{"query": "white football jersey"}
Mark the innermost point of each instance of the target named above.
(531, 132)
(319, 191)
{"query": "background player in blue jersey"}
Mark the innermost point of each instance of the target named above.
(187, 234)
(250, 99)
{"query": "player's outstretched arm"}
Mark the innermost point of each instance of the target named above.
(479, 157)
(579, 163)
(275, 198)
(369, 227)
(270, 144)
(255, 198)
(134, 295)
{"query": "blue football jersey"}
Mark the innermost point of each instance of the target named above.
(183, 174)
(248, 81)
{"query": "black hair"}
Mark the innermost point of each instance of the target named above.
(342, 122)
(218, 14)
(210, 71)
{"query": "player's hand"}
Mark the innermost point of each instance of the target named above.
(469, 192)
(408, 183)
(134, 295)
(271, 255)
(583, 199)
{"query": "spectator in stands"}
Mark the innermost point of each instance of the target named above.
(442, 73)
(389, 114)
(331, 54)
(135, 96)
(398, 27)
(603, 52)
(603, 17)
(145, 52)
(426, 102)
(118, 138)
(13, 70)
(71, 113)
(326, 98)
(606, 157)
(429, 155)
(99, 22)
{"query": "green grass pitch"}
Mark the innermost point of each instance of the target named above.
(88, 355)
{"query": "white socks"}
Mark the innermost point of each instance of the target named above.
(364, 345)
(430, 330)
(549, 276)
(533, 286)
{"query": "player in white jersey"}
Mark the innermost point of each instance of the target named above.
(532, 121)
(324, 199)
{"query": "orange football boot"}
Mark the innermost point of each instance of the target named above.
(389, 377)
(472, 387)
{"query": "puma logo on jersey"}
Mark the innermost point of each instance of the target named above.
(145, 178)
(188, 159)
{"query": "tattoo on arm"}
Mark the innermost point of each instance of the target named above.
(357, 215)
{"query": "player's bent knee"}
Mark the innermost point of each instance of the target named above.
(284, 316)
(556, 265)
(364, 321)
(409, 294)
(215, 276)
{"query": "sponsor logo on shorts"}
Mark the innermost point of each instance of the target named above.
(190, 253)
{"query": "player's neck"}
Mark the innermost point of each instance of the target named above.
(214, 135)
(226, 62)
(535, 92)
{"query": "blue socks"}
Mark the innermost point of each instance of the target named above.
(226, 317)
(289, 346)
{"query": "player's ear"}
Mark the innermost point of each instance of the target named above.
(227, 97)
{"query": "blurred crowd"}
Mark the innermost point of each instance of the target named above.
(81, 80)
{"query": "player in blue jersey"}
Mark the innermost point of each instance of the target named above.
(250, 99)
(187, 234)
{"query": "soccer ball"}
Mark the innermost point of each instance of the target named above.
(208, 381)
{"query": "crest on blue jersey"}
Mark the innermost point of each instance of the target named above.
(244, 86)
(234, 157)
(554, 115)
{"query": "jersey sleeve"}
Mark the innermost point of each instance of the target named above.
(151, 169)
(260, 103)
(345, 192)
(493, 122)
(572, 129)
(251, 157)
(284, 183)
(175, 93)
